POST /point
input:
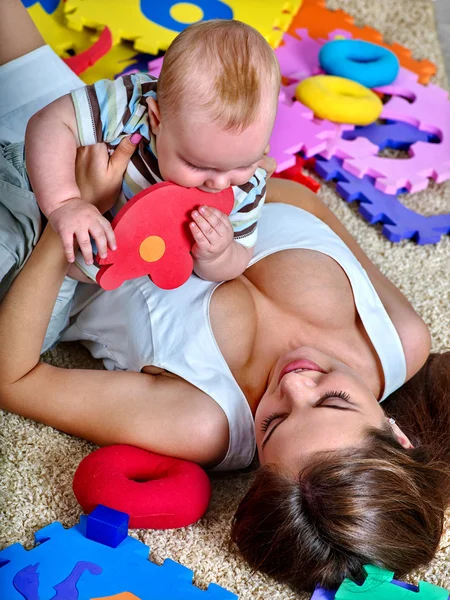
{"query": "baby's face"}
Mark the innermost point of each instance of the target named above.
(193, 151)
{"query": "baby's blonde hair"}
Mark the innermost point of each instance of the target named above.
(225, 67)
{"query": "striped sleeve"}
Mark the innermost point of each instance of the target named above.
(108, 110)
(248, 202)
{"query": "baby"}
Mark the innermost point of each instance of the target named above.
(205, 123)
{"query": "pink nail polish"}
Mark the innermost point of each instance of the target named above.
(135, 138)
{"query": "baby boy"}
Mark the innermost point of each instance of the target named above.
(205, 123)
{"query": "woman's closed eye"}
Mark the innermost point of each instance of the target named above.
(343, 396)
(344, 403)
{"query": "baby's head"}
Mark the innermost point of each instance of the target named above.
(217, 101)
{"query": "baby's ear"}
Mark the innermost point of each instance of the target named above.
(154, 115)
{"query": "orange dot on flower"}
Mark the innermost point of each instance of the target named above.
(152, 248)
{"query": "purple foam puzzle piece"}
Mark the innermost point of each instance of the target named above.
(323, 594)
(393, 134)
(427, 108)
(399, 222)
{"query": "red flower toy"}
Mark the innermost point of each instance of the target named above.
(153, 236)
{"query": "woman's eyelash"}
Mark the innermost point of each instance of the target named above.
(344, 395)
(268, 420)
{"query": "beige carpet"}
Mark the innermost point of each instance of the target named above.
(38, 463)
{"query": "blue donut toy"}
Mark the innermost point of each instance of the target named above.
(368, 64)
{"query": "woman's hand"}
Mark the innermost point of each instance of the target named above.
(99, 175)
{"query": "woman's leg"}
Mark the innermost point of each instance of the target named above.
(18, 33)
(31, 76)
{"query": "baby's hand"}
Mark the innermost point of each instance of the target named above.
(78, 218)
(212, 233)
(267, 163)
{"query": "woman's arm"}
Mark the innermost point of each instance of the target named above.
(412, 330)
(161, 413)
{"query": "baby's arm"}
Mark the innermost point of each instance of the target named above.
(51, 143)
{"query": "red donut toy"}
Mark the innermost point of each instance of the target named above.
(157, 492)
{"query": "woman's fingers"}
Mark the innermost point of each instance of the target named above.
(124, 151)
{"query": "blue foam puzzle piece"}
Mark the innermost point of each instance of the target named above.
(399, 222)
(65, 565)
(392, 134)
(48, 5)
(107, 526)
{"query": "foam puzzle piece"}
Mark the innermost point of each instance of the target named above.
(319, 20)
(76, 568)
(375, 587)
(429, 110)
(399, 222)
(295, 173)
(378, 585)
(107, 526)
(392, 134)
(152, 26)
(299, 56)
(153, 237)
(48, 16)
(80, 62)
(119, 58)
(295, 130)
(417, 104)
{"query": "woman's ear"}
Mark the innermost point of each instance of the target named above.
(154, 115)
(401, 437)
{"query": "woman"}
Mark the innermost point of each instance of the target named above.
(293, 357)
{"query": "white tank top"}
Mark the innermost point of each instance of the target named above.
(139, 324)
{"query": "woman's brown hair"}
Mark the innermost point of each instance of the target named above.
(377, 504)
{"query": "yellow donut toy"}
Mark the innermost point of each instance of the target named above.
(339, 100)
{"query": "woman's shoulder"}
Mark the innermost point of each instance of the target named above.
(201, 422)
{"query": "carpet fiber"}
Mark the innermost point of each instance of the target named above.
(38, 463)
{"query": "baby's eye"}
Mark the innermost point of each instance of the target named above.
(194, 168)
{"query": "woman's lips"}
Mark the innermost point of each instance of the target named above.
(308, 365)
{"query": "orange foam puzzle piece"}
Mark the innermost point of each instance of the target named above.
(153, 236)
(121, 596)
(320, 21)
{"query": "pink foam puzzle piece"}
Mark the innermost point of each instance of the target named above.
(155, 66)
(299, 56)
(294, 131)
(427, 108)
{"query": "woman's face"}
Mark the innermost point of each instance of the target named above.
(313, 403)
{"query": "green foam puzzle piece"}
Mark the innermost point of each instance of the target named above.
(378, 586)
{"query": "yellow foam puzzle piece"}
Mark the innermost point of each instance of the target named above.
(127, 21)
(55, 32)
(118, 58)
